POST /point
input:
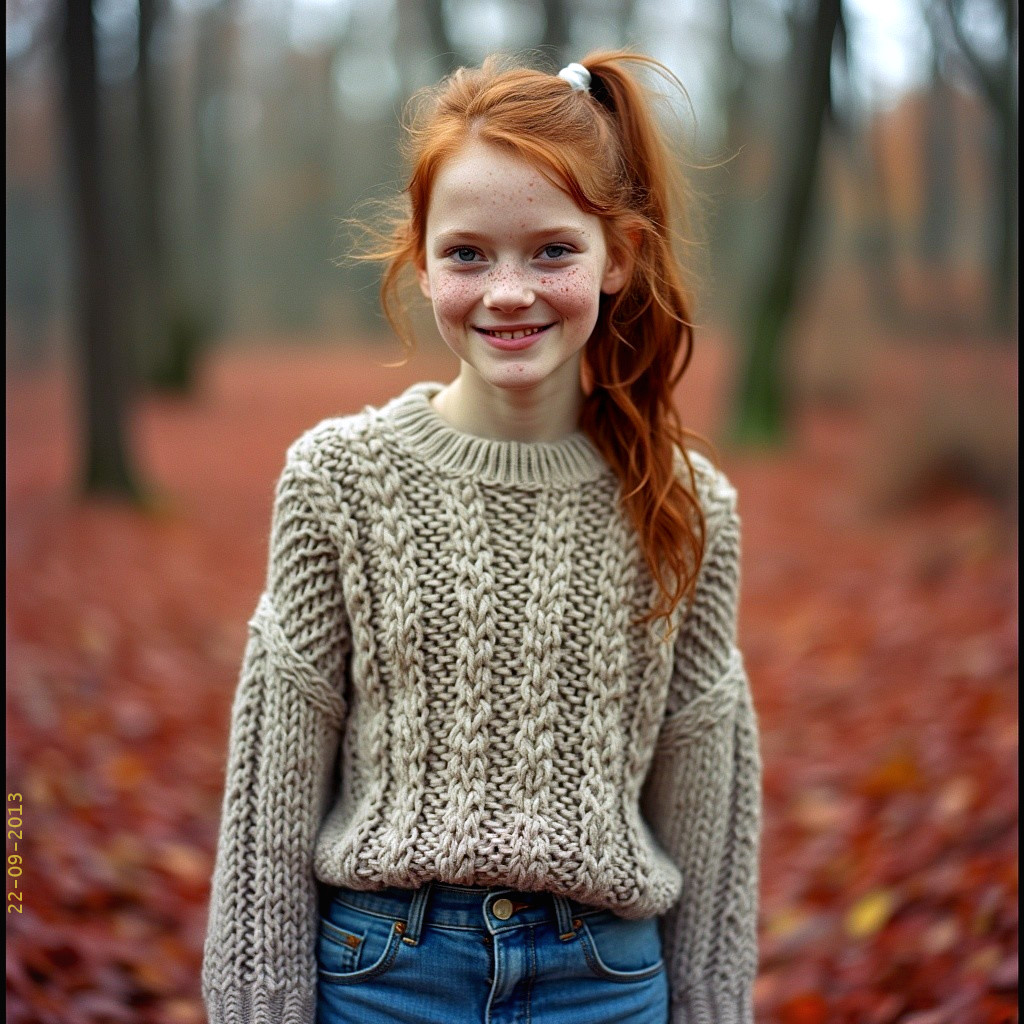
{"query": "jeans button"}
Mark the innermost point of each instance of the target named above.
(502, 909)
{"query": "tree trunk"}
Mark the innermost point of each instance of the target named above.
(625, 11)
(761, 402)
(556, 31)
(167, 364)
(1001, 82)
(198, 300)
(997, 82)
(104, 366)
(877, 234)
(729, 220)
(939, 167)
(1005, 251)
(440, 42)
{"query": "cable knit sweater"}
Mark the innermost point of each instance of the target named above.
(442, 682)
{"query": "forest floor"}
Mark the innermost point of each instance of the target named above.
(881, 645)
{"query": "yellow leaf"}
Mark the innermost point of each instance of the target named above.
(870, 913)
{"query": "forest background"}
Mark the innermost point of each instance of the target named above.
(178, 309)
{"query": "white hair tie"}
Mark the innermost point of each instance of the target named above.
(577, 76)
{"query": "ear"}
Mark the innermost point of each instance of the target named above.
(619, 266)
(617, 272)
(424, 281)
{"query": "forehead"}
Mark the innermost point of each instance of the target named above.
(484, 183)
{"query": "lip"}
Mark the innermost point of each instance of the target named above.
(513, 344)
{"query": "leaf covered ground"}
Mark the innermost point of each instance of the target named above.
(881, 646)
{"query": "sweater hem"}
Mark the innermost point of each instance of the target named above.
(260, 1004)
(708, 1003)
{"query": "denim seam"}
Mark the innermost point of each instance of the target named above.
(602, 970)
(532, 975)
(384, 963)
(427, 923)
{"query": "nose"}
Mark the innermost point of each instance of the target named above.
(508, 290)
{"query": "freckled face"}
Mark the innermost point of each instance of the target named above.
(506, 251)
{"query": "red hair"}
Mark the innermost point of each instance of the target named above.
(606, 150)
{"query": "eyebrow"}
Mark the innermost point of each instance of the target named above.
(456, 233)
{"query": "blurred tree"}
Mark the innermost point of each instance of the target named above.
(171, 338)
(741, 86)
(444, 50)
(171, 323)
(996, 77)
(876, 241)
(555, 40)
(760, 404)
(625, 11)
(936, 233)
(105, 369)
(204, 316)
(33, 218)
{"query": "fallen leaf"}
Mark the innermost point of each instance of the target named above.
(869, 914)
(806, 1008)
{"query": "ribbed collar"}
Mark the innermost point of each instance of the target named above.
(424, 432)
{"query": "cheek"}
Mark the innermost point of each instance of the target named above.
(576, 293)
(453, 297)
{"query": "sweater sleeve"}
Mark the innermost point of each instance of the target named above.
(702, 798)
(259, 963)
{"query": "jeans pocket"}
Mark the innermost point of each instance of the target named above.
(354, 946)
(620, 949)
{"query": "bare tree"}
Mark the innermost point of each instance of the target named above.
(214, 51)
(728, 221)
(105, 369)
(555, 40)
(759, 414)
(936, 233)
(996, 78)
(444, 50)
(162, 366)
(625, 12)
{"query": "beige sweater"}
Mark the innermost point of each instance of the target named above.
(442, 682)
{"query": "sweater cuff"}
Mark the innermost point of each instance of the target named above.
(261, 1004)
(706, 1003)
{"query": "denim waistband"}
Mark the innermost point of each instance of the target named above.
(443, 905)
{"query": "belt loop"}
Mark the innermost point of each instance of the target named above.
(563, 915)
(417, 909)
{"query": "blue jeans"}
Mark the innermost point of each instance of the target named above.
(448, 954)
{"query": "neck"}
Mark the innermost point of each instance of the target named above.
(547, 411)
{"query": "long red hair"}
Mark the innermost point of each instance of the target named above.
(608, 152)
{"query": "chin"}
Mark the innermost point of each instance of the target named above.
(516, 377)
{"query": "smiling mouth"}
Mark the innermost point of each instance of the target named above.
(514, 335)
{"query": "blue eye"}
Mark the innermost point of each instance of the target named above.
(561, 251)
(463, 251)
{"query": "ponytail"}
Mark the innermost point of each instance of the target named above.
(644, 340)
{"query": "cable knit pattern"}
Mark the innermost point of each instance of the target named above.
(443, 681)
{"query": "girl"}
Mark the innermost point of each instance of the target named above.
(470, 776)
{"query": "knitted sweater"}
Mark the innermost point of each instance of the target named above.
(442, 681)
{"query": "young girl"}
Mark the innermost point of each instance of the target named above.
(493, 756)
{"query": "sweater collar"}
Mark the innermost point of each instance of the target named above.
(424, 432)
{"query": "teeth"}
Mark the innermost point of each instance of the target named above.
(514, 335)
